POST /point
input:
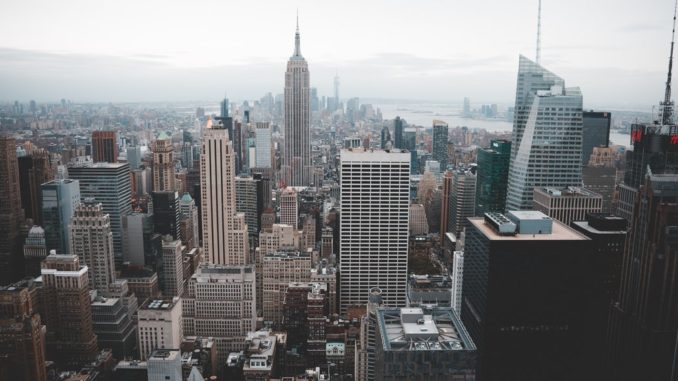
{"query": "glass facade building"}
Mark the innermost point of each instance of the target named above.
(547, 135)
(492, 177)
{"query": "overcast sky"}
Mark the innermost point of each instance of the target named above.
(133, 50)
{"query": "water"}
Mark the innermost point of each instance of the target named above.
(424, 114)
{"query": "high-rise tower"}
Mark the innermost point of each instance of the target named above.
(547, 135)
(163, 164)
(105, 146)
(440, 133)
(11, 214)
(374, 225)
(297, 152)
(224, 231)
(92, 241)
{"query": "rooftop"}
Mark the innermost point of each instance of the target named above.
(568, 192)
(375, 155)
(160, 304)
(164, 354)
(559, 232)
(422, 329)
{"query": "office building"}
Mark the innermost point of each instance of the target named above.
(374, 225)
(21, 334)
(220, 303)
(113, 327)
(160, 325)
(297, 118)
(600, 176)
(445, 197)
(11, 215)
(247, 203)
(642, 330)
(34, 170)
(166, 213)
(35, 251)
(422, 343)
(165, 365)
(398, 126)
(110, 185)
(386, 142)
(289, 207)
(595, 132)
(92, 242)
(189, 222)
(425, 290)
(366, 346)
(262, 354)
(418, 222)
(492, 177)
(462, 200)
(163, 164)
(567, 204)
(410, 144)
(304, 313)
(224, 232)
(440, 134)
(457, 279)
(532, 278)
(547, 135)
(134, 157)
(264, 152)
(67, 311)
(137, 231)
(278, 270)
(172, 275)
(59, 199)
(105, 146)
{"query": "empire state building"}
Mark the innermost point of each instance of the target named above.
(297, 150)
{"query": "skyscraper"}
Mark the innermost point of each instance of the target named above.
(110, 185)
(297, 118)
(67, 311)
(440, 134)
(92, 241)
(246, 202)
(166, 213)
(289, 207)
(374, 225)
(492, 180)
(163, 163)
(595, 132)
(547, 135)
(527, 289)
(59, 199)
(398, 133)
(11, 215)
(21, 334)
(224, 231)
(263, 145)
(35, 251)
(462, 200)
(105, 146)
(34, 170)
(386, 138)
(160, 325)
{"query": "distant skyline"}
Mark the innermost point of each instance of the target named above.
(132, 51)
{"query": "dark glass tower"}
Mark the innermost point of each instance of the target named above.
(492, 177)
(398, 132)
(440, 133)
(166, 213)
(595, 132)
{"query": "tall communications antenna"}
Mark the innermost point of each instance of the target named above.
(539, 33)
(667, 104)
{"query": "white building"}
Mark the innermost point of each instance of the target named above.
(263, 145)
(92, 242)
(164, 365)
(159, 325)
(220, 303)
(224, 231)
(289, 207)
(374, 221)
(172, 267)
(457, 280)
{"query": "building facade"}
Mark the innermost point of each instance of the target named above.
(373, 225)
(160, 325)
(59, 199)
(92, 242)
(105, 146)
(492, 172)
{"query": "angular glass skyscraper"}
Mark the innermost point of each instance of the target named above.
(547, 135)
(440, 134)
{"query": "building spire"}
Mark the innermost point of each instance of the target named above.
(297, 39)
(538, 34)
(667, 104)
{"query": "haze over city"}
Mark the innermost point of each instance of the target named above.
(126, 51)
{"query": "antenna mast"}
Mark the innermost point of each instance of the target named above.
(667, 105)
(539, 33)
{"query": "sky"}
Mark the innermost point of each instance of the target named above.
(616, 51)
